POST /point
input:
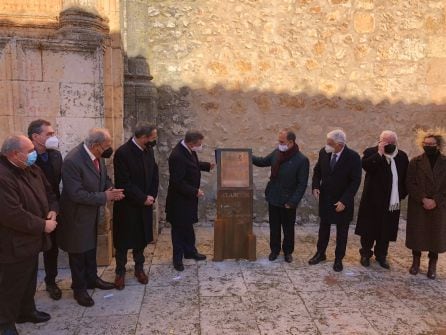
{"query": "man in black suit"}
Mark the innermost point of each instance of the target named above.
(384, 188)
(136, 172)
(49, 159)
(182, 196)
(336, 179)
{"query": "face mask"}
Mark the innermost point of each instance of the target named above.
(52, 143)
(198, 149)
(282, 147)
(389, 148)
(430, 150)
(329, 149)
(151, 143)
(31, 158)
(107, 153)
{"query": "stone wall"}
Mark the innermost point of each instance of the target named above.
(240, 70)
(62, 61)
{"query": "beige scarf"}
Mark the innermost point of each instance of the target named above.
(394, 204)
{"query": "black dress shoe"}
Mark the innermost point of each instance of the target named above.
(383, 262)
(337, 266)
(178, 266)
(9, 329)
(84, 299)
(34, 317)
(101, 284)
(273, 256)
(54, 291)
(288, 258)
(197, 257)
(365, 261)
(317, 258)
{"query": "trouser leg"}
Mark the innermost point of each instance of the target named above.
(274, 229)
(288, 223)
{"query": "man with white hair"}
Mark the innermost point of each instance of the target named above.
(86, 188)
(336, 179)
(384, 188)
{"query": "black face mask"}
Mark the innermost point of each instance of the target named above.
(151, 144)
(389, 148)
(107, 153)
(430, 150)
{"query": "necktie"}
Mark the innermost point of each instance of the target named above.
(96, 165)
(333, 161)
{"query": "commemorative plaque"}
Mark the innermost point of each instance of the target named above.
(233, 234)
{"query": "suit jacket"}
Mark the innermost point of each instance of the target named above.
(25, 200)
(374, 219)
(137, 173)
(80, 202)
(184, 182)
(291, 182)
(341, 184)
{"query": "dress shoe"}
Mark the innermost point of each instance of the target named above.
(288, 258)
(337, 266)
(415, 268)
(197, 257)
(178, 266)
(120, 282)
(317, 258)
(54, 291)
(383, 263)
(432, 269)
(34, 317)
(8, 329)
(142, 277)
(272, 256)
(365, 261)
(102, 285)
(84, 299)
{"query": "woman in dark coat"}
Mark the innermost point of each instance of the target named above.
(137, 173)
(426, 214)
(377, 218)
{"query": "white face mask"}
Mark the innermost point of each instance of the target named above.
(52, 143)
(282, 147)
(198, 149)
(329, 149)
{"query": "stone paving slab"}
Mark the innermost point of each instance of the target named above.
(262, 297)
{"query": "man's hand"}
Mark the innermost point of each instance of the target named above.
(339, 207)
(114, 194)
(316, 193)
(149, 201)
(212, 166)
(429, 204)
(50, 225)
(52, 215)
(200, 193)
(288, 206)
(381, 145)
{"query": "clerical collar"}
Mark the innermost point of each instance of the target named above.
(134, 141)
(185, 145)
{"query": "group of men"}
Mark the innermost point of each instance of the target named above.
(37, 216)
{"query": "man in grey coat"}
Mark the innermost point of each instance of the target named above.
(86, 188)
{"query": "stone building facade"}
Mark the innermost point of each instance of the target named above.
(239, 70)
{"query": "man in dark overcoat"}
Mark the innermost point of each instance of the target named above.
(336, 179)
(86, 188)
(49, 159)
(136, 172)
(384, 188)
(28, 210)
(182, 196)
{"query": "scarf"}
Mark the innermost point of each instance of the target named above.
(282, 157)
(394, 204)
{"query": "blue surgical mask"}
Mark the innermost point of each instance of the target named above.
(32, 157)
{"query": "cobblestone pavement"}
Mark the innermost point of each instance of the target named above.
(262, 297)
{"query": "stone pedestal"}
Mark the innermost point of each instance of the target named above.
(233, 234)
